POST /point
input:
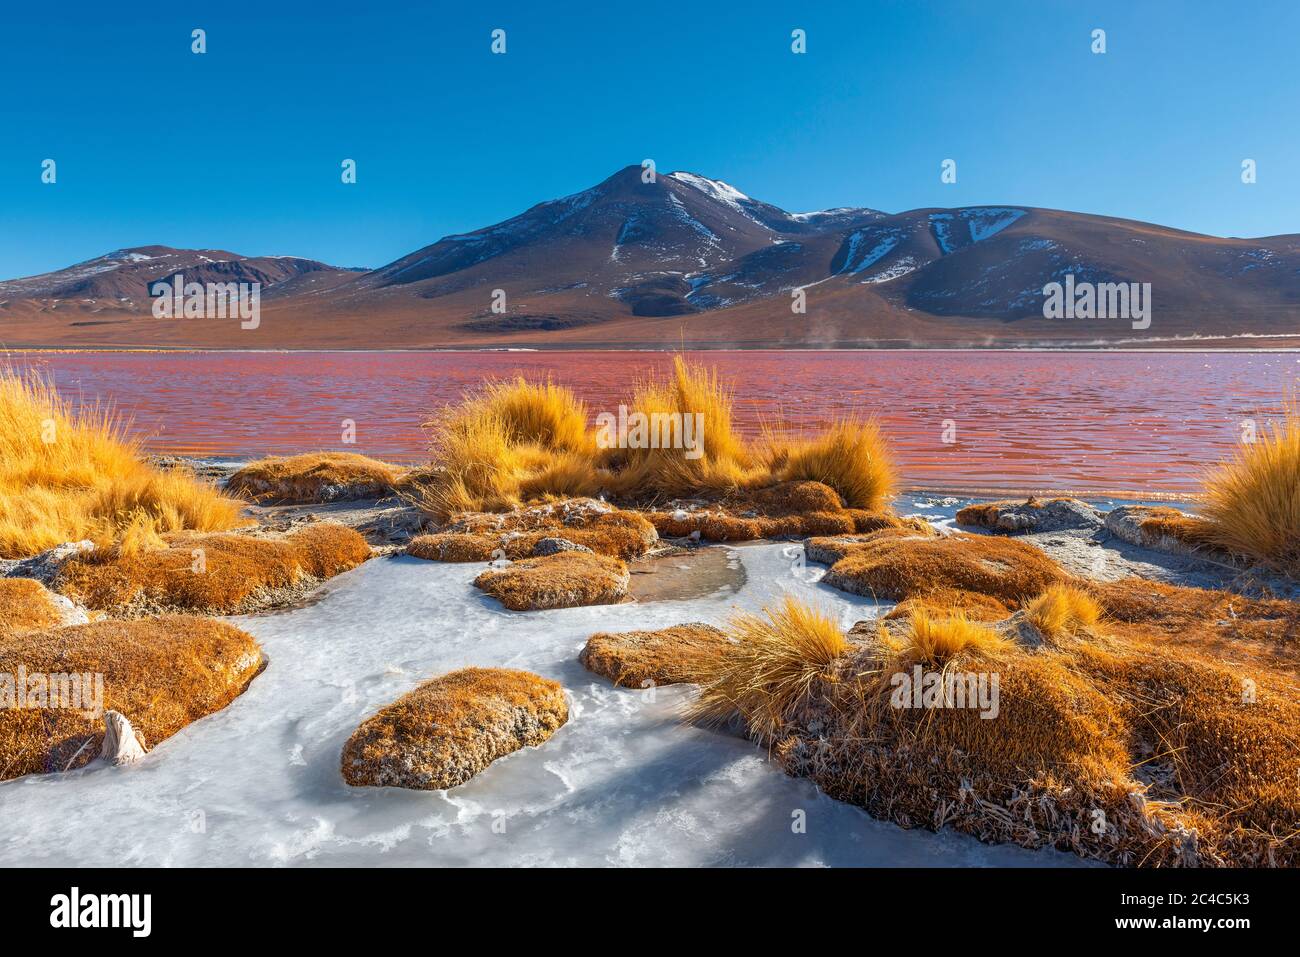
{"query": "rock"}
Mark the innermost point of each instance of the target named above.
(1031, 516)
(563, 580)
(45, 566)
(553, 546)
(1160, 528)
(637, 659)
(122, 743)
(450, 728)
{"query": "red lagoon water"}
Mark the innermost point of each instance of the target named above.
(1024, 421)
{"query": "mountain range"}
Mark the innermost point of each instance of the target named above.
(687, 260)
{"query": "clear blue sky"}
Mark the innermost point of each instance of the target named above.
(240, 148)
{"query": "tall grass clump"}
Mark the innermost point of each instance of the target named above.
(69, 474)
(852, 457)
(1252, 501)
(726, 462)
(1062, 610)
(508, 442)
(775, 659)
(936, 638)
(516, 441)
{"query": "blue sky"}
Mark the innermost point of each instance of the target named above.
(240, 148)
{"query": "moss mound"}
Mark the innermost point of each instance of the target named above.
(316, 477)
(161, 673)
(904, 567)
(565, 580)
(450, 728)
(636, 659)
(215, 574)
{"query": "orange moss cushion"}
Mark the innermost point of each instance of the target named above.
(161, 673)
(316, 477)
(635, 659)
(218, 574)
(26, 604)
(450, 728)
(898, 568)
(557, 581)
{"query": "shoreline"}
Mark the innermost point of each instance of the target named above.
(667, 350)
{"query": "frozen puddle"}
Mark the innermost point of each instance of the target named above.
(624, 782)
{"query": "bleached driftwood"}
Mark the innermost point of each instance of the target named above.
(122, 744)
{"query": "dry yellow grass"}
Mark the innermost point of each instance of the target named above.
(938, 638)
(1109, 745)
(67, 475)
(635, 659)
(218, 574)
(161, 673)
(1252, 503)
(450, 728)
(944, 601)
(1062, 610)
(565, 580)
(507, 442)
(774, 661)
(726, 463)
(26, 605)
(852, 457)
(519, 442)
(316, 477)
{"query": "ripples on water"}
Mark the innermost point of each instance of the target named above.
(1138, 422)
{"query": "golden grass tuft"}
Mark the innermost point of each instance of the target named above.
(450, 728)
(68, 474)
(316, 477)
(1062, 610)
(936, 639)
(161, 673)
(773, 662)
(1181, 752)
(636, 659)
(517, 442)
(1252, 502)
(851, 457)
(566, 580)
(726, 462)
(508, 442)
(218, 574)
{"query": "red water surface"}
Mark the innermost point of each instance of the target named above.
(1141, 423)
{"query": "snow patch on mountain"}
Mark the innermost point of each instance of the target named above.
(895, 270)
(981, 222)
(986, 221)
(856, 261)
